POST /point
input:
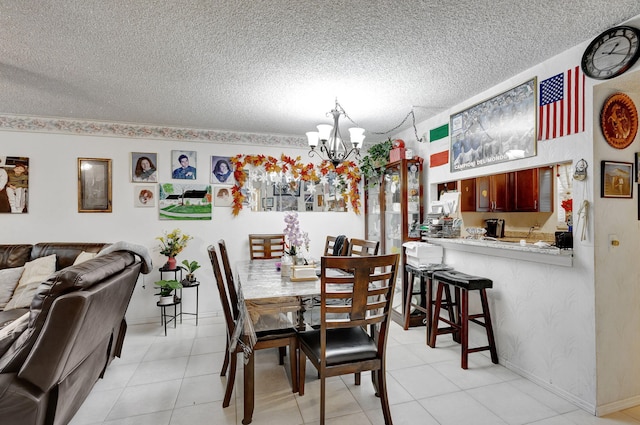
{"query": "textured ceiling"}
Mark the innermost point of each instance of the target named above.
(276, 67)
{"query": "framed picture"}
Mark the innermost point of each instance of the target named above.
(221, 171)
(94, 185)
(144, 196)
(616, 179)
(222, 196)
(637, 167)
(188, 201)
(290, 189)
(144, 167)
(14, 184)
(497, 130)
(183, 164)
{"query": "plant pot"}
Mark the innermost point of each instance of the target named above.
(171, 263)
(166, 299)
(191, 277)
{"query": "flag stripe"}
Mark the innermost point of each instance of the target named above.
(561, 110)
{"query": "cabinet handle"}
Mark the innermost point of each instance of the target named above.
(535, 204)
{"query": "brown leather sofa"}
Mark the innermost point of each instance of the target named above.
(76, 326)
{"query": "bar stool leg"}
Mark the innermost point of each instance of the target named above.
(464, 332)
(488, 326)
(409, 278)
(435, 317)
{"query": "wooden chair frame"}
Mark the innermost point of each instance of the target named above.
(329, 246)
(362, 247)
(364, 301)
(266, 246)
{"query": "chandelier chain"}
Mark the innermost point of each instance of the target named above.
(382, 133)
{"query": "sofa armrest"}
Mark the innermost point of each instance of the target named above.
(20, 402)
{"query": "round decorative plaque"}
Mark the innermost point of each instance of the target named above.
(619, 120)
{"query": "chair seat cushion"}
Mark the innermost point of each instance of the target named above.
(274, 334)
(463, 280)
(343, 345)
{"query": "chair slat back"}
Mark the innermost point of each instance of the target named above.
(364, 295)
(362, 247)
(228, 272)
(222, 290)
(266, 246)
(339, 243)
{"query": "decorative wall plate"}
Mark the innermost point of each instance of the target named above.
(619, 120)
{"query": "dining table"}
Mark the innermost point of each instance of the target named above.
(264, 292)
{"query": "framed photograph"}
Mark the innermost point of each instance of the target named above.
(94, 185)
(183, 164)
(637, 167)
(144, 196)
(290, 189)
(188, 201)
(222, 196)
(267, 202)
(616, 179)
(497, 130)
(144, 167)
(14, 184)
(221, 170)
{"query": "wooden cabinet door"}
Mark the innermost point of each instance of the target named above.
(468, 195)
(500, 192)
(483, 194)
(525, 190)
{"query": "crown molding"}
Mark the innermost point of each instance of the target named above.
(136, 131)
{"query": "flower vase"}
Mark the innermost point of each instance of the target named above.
(285, 266)
(171, 263)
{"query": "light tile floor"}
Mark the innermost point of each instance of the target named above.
(175, 380)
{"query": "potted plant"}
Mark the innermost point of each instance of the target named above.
(166, 290)
(190, 267)
(372, 165)
(171, 244)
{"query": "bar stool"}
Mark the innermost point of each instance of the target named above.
(463, 283)
(425, 274)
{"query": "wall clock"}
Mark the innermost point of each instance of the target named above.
(619, 120)
(611, 53)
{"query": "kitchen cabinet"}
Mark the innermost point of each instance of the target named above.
(533, 190)
(394, 213)
(468, 195)
(492, 193)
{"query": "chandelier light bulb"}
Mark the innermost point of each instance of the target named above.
(324, 131)
(312, 137)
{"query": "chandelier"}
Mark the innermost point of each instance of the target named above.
(333, 147)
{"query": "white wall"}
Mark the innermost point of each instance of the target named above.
(573, 330)
(53, 208)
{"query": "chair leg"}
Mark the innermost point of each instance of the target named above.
(282, 351)
(357, 378)
(225, 363)
(293, 362)
(436, 316)
(322, 399)
(231, 379)
(464, 323)
(384, 400)
(302, 366)
(488, 326)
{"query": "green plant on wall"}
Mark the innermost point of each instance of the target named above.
(372, 165)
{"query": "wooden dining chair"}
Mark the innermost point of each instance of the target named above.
(336, 245)
(343, 345)
(266, 247)
(362, 247)
(264, 339)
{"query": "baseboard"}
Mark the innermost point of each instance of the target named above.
(617, 406)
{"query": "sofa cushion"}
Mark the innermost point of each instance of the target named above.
(35, 272)
(8, 281)
(84, 256)
(66, 252)
(14, 255)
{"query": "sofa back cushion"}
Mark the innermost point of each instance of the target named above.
(66, 252)
(9, 279)
(14, 255)
(35, 272)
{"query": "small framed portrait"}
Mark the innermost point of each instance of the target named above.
(144, 196)
(144, 167)
(183, 164)
(290, 189)
(616, 179)
(94, 185)
(222, 196)
(14, 184)
(221, 170)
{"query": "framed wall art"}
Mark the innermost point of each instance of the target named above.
(14, 184)
(144, 167)
(184, 201)
(499, 129)
(616, 179)
(637, 160)
(94, 185)
(222, 196)
(144, 196)
(619, 121)
(221, 171)
(183, 164)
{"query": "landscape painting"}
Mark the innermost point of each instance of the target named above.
(184, 201)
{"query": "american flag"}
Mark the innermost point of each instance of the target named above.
(561, 105)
